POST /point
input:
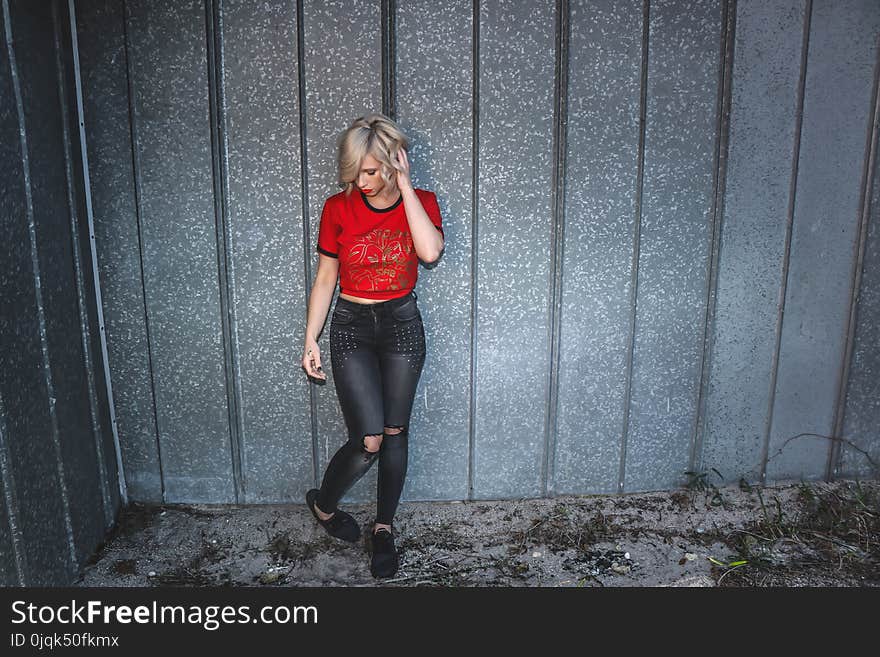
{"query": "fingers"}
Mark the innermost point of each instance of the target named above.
(311, 363)
(316, 364)
(402, 158)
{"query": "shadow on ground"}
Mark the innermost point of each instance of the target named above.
(801, 534)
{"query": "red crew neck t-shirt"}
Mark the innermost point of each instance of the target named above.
(377, 259)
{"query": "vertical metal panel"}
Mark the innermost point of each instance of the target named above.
(435, 111)
(11, 548)
(863, 396)
(53, 486)
(343, 71)
(25, 378)
(113, 489)
(103, 63)
(14, 214)
(55, 213)
(9, 576)
(266, 246)
(516, 113)
(28, 427)
(603, 124)
(675, 240)
(837, 111)
(170, 108)
(762, 135)
(11, 545)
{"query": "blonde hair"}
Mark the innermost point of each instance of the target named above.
(374, 134)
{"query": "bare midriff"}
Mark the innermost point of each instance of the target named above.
(366, 302)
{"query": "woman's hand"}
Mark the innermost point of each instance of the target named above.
(403, 179)
(311, 361)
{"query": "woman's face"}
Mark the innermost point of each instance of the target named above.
(369, 179)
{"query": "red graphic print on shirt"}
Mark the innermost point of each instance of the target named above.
(380, 260)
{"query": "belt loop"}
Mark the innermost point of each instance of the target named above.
(415, 296)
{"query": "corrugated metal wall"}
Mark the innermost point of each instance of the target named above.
(662, 246)
(635, 193)
(58, 468)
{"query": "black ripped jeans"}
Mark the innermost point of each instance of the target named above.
(377, 352)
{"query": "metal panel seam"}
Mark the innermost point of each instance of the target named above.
(87, 193)
(85, 333)
(637, 227)
(799, 121)
(835, 453)
(307, 238)
(722, 144)
(222, 232)
(475, 233)
(560, 146)
(136, 175)
(389, 58)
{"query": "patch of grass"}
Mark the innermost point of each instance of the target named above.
(699, 481)
(561, 531)
(832, 534)
(283, 549)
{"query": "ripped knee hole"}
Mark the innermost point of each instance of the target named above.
(372, 443)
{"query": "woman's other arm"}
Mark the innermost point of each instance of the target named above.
(319, 305)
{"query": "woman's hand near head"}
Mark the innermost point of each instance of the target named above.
(427, 240)
(404, 181)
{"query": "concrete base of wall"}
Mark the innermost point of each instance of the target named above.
(686, 537)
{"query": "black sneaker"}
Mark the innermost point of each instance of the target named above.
(340, 525)
(383, 562)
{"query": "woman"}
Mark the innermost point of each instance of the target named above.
(371, 237)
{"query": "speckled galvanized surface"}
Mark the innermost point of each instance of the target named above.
(862, 420)
(676, 231)
(10, 549)
(342, 44)
(266, 246)
(764, 106)
(92, 326)
(32, 465)
(433, 81)
(16, 290)
(49, 156)
(600, 212)
(23, 403)
(101, 43)
(31, 432)
(170, 109)
(434, 103)
(516, 72)
(837, 110)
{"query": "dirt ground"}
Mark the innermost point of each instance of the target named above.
(798, 534)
